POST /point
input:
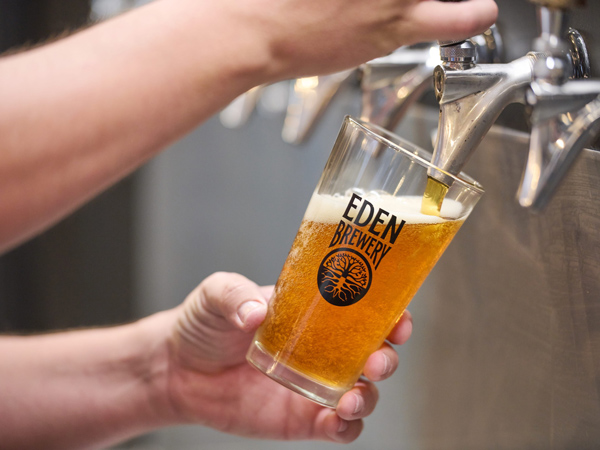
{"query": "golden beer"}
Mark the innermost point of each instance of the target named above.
(355, 264)
(373, 230)
(433, 198)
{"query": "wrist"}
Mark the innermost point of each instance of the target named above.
(235, 61)
(152, 368)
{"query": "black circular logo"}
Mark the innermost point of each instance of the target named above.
(344, 277)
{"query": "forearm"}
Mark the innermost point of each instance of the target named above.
(84, 389)
(81, 113)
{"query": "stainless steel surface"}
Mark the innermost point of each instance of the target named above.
(512, 358)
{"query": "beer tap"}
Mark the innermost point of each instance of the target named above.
(391, 84)
(471, 97)
(308, 99)
(236, 114)
(565, 114)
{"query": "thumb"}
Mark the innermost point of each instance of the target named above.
(216, 320)
(233, 297)
(437, 20)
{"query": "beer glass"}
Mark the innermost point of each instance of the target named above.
(363, 249)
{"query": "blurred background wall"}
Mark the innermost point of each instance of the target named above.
(79, 272)
(499, 358)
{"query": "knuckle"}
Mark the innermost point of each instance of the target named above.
(233, 287)
(219, 291)
(217, 278)
(221, 283)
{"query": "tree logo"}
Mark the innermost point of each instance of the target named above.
(344, 277)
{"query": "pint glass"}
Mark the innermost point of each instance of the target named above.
(362, 251)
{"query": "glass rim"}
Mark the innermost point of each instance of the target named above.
(398, 144)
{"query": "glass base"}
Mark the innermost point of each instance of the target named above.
(311, 389)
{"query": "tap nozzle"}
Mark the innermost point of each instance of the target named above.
(471, 98)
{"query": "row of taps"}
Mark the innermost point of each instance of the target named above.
(472, 87)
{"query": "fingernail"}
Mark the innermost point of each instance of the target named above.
(246, 308)
(387, 364)
(343, 426)
(359, 404)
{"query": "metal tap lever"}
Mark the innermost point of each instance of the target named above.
(564, 120)
(565, 114)
(308, 99)
(390, 85)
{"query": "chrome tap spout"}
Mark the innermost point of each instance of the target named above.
(565, 119)
(471, 100)
(565, 115)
